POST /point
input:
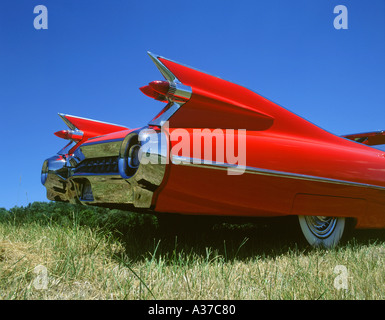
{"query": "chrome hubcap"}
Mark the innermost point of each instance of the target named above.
(321, 227)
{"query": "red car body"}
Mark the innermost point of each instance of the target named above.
(291, 166)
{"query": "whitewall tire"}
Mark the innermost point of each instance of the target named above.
(324, 232)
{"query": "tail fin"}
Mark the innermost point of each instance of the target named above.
(90, 128)
(369, 138)
(83, 129)
(208, 101)
(216, 103)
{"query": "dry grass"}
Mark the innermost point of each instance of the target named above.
(84, 263)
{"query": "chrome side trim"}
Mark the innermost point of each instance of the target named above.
(67, 148)
(155, 56)
(266, 172)
(171, 108)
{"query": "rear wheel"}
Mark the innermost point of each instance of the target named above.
(325, 232)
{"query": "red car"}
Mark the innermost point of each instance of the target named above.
(219, 149)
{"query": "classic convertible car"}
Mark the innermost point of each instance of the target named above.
(219, 149)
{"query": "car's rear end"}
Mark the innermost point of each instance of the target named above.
(100, 165)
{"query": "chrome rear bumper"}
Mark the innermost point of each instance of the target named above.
(123, 172)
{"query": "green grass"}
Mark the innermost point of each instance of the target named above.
(116, 255)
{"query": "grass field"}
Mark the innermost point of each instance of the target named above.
(72, 259)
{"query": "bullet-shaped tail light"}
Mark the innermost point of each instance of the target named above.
(172, 90)
(162, 87)
(167, 91)
(150, 92)
(69, 135)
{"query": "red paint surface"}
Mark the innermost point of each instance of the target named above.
(276, 140)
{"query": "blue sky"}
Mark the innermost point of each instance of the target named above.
(92, 59)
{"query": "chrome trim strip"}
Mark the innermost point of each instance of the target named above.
(66, 121)
(267, 172)
(172, 107)
(162, 68)
(156, 56)
(67, 148)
